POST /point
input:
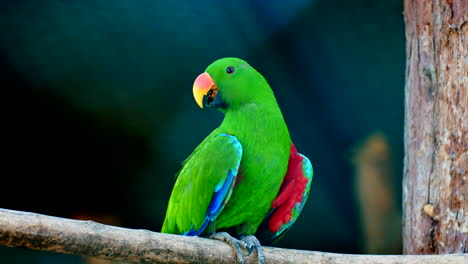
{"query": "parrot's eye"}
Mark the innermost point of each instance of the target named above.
(230, 70)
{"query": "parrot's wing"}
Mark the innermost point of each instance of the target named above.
(203, 186)
(291, 198)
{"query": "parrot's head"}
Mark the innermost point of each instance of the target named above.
(230, 83)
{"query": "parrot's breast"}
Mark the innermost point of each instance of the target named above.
(266, 148)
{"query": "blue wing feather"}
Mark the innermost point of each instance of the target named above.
(222, 192)
(221, 195)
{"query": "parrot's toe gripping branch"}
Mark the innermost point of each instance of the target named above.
(234, 243)
(250, 243)
(253, 243)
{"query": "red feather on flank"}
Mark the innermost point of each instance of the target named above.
(291, 192)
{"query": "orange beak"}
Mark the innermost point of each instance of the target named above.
(202, 86)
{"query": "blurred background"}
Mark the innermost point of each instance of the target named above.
(97, 109)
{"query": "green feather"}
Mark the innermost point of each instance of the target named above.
(202, 174)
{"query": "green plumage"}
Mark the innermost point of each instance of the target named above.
(253, 117)
(190, 197)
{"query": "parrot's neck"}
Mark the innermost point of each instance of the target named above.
(257, 123)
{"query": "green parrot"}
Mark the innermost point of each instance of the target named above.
(246, 177)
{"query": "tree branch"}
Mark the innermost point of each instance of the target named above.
(87, 238)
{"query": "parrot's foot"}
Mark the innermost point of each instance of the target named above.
(234, 243)
(250, 243)
(253, 243)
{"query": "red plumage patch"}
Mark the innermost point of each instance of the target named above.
(240, 175)
(291, 192)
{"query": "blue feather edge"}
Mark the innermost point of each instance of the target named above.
(222, 193)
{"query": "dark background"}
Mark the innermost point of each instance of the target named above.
(97, 108)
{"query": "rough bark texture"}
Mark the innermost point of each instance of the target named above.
(87, 238)
(435, 188)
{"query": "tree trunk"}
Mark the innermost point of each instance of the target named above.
(435, 188)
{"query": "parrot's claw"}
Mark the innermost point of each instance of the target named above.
(252, 243)
(234, 243)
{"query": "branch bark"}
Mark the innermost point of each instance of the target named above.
(87, 238)
(435, 188)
